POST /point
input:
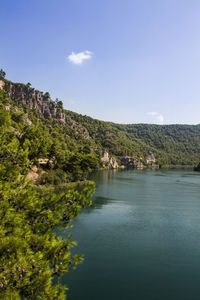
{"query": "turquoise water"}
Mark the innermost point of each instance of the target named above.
(141, 238)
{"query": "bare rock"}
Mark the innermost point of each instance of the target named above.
(33, 175)
(108, 162)
(2, 84)
(151, 161)
(24, 95)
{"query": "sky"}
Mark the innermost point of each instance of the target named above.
(126, 61)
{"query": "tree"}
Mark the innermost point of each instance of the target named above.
(28, 84)
(31, 254)
(59, 103)
(2, 74)
(47, 95)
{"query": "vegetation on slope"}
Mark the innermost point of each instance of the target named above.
(31, 254)
(108, 137)
(171, 144)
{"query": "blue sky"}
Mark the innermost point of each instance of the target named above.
(130, 61)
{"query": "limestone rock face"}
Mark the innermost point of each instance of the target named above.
(151, 160)
(33, 174)
(2, 84)
(131, 162)
(113, 163)
(109, 162)
(26, 96)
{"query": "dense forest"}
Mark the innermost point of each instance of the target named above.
(172, 145)
(77, 143)
(31, 254)
(61, 154)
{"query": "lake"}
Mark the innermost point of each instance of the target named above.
(141, 238)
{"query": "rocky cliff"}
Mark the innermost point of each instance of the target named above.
(109, 162)
(151, 161)
(131, 162)
(25, 96)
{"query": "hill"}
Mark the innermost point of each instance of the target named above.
(57, 149)
(65, 134)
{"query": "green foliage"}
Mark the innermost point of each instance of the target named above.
(2, 74)
(4, 99)
(4, 117)
(47, 95)
(171, 144)
(17, 116)
(31, 254)
(59, 103)
(54, 177)
(63, 144)
(107, 136)
(37, 141)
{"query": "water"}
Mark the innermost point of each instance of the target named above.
(141, 238)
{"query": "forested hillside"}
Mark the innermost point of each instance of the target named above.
(172, 145)
(75, 143)
(57, 149)
(31, 254)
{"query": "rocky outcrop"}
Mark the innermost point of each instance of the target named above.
(2, 84)
(33, 174)
(25, 96)
(151, 161)
(109, 162)
(150, 158)
(131, 162)
(136, 163)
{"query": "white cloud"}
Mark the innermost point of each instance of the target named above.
(78, 58)
(158, 117)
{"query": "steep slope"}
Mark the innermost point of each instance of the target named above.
(134, 145)
(59, 148)
(32, 255)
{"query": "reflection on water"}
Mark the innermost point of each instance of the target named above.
(141, 238)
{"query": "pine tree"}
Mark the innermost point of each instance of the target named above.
(31, 254)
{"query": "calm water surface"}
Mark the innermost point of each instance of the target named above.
(141, 238)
